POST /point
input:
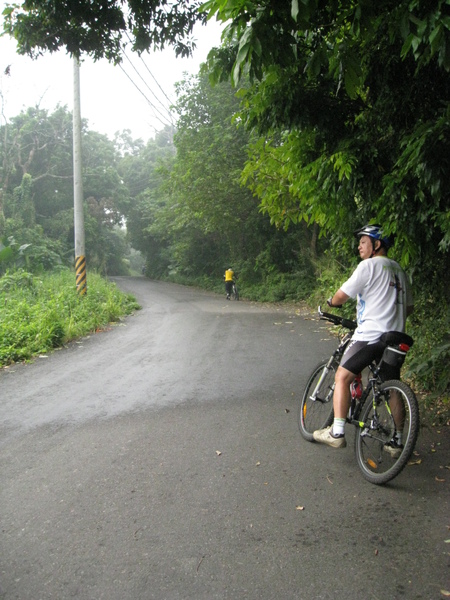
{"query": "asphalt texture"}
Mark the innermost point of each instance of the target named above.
(161, 460)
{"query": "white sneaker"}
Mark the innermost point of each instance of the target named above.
(324, 436)
(393, 448)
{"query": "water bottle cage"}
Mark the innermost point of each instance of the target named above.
(356, 387)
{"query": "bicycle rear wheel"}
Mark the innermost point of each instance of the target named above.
(316, 406)
(378, 457)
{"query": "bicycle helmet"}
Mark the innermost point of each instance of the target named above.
(375, 232)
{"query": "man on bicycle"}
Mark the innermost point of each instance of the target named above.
(383, 302)
(229, 274)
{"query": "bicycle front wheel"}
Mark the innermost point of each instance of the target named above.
(380, 454)
(316, 406)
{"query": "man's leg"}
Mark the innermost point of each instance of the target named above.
(334, 436)
(394, 447)
(342, 394)
(395, 401)
(397, 409)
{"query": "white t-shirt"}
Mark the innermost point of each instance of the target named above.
(383, 295)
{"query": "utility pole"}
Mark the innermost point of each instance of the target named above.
(80, 258)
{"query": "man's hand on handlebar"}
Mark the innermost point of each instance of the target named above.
(338, 299)
(330, 303)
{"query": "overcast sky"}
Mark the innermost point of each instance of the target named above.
(109, 100)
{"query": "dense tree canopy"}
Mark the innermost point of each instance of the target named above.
(327, 38)
(101, 28)
(351, 96)
(193, 218)
(352, 99)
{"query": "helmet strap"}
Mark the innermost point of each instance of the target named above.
(376, 251)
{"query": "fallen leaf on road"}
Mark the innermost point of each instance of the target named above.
(218, 452)
(258, 463)
(439, 479)
(445, 593)
(299, 508)
(415, 462)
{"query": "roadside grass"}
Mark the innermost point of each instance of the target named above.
(41, 313)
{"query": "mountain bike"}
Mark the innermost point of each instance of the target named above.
(235, 291)
(380, 411)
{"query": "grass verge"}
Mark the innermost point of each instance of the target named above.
(40, 313)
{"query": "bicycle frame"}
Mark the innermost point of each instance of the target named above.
(374, 379)
(371, 385)
(334, 358)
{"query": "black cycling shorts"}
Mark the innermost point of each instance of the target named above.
(358, 355)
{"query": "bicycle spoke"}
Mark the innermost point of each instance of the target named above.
(380, 451)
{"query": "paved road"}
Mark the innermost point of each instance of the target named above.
(160, 460)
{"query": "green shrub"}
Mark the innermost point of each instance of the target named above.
(428, 365)
(16, 280)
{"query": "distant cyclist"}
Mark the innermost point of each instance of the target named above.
(383, 303)
(229, 275)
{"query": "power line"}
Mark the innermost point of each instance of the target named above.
(149, 88)
(151, 74)
(154, 79)
(166, 122)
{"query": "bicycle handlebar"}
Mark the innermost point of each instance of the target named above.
(347, 323)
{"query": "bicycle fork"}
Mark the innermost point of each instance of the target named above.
(322, 377)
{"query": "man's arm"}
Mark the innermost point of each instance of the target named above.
(338, 299)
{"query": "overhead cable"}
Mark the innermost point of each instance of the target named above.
(163, 122)
(149, 88)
